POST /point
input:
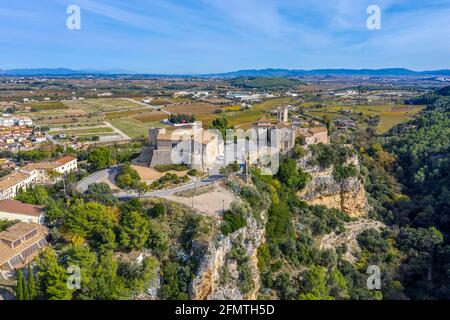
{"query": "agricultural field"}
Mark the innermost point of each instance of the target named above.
(133, 127)
(86, 131)
(102, 104)
(245, 119)
(46, 106)
(193, 108)
(390, 115)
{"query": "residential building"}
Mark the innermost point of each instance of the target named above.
(9, 121)
(19, 244)
(41, 171)
(35, 173)
(13, 182)
(16, 210)
(313, 135)
(282, 134)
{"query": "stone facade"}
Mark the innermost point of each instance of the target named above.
(194, 147)
(283, 135)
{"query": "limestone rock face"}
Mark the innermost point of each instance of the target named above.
(348, 195)
(207, 284)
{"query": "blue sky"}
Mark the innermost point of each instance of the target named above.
(198, 36)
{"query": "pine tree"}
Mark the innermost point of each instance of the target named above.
(26, 295)
(20, 286)
(31, 284)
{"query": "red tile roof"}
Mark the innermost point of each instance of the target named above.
(14, 206)
(64, 160)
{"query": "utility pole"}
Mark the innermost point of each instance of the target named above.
(246, 168)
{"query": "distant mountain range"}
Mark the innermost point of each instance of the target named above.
(332, 72)
(235, 74)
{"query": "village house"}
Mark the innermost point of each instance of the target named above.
(35, 173)
(9, 121)
(19, 244)
(282, 134)
(313, 135)
(15, 210)
(14, 182)
(41, 171)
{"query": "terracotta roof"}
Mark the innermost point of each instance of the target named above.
(40, 166)
(305, 134)
(6, 252)
(18, 230)
(207, 137)
(12, 179)
(17, 207)
(170, 137)
(64, 160)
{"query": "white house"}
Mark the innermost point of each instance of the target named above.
(15, 210)
(13, 182)
(40, 170)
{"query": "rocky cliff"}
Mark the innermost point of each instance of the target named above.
(219, 274)
(348, 195)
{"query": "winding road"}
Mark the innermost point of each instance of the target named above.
(110, 173)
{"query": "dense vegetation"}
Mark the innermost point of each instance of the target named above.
(181, 118)
(266, 83)
(422, 165)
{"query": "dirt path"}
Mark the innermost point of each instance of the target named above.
(211, 202)
(352, 230)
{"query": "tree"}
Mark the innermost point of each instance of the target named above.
(53, 211)
(158, 210)
(101, 193)
(31, 284)
(52, 276)
(134, 230)
(92, 221)
(21, 287)
(291, 176)
(157, 239)
(141, 188)
(38, 195)
(100, 158)
(173, 287)
(222, 125)
(315, 285)
(106, 283)
(232, 221)
(127, 177)
(131, 205)
(83, 257)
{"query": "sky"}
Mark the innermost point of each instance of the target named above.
(211, 36)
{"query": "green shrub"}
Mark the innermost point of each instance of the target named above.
(169, 167)
(158, 210)
(232, 221)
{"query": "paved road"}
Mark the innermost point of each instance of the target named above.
(109, 174)
(99, 176)
(165, 193)
(51, 139)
